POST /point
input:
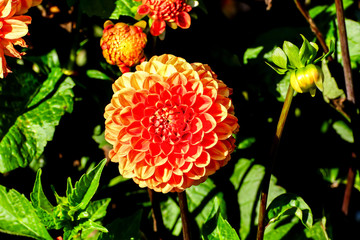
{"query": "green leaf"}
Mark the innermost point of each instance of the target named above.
(130, 228)
(289, 204)
(18, 216)
(216, 227)
(277, 69)
(247, 178)
(82, 230)
(344, 131)
(125, 8)
(292, 52)
(26, 129)
(86, 187)
(353, 36)
(331, 90)
(246, 143)
(325, 55)
(282, 87)
(281, 229)
(99, 137)
(92, 73)
(279, 58)
(200, 203)
(43, 207)
(45, 62)
(318, 231)
(97, 209)
(252, 53)
(307, 51)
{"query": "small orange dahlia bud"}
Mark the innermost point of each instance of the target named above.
(171, 124)
(306, 79)
(123, 45)
(173, 12)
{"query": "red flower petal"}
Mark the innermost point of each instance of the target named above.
(166, 148)
(134, 128)
(203, 160)
(157, 27)
(183, 20)
(208, 122)
(202, 104)
(209, 140)
(138, 111)
(189, 98)
(219, 151)
(154, 149)
(196, 125)
(140, 144)
(223, 131)
(143, 9)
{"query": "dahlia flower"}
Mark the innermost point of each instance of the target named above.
(174, 12)
(12, 29)
(22, 6)
(170, 124)
(123, 45)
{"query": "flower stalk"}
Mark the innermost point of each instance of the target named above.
(184, 211)
(272, 157)
(350, 93)
(158, 224)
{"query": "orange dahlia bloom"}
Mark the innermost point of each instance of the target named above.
(174, 12)
(170, 124)
(22, 6)
(12, 29)
(123, 45)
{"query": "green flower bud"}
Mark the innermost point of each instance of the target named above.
(306, 79)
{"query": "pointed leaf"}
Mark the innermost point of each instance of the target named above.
(217, 228)
(86, 187)
(307, 51)
(125, 8)
(43, 207)
(289, 204)
(26, 129)
(331, 90)
(18, 216)
(279, 70)
(292, 52)
(97, 209)
(279, 58)
(325, 55)
(344, 131)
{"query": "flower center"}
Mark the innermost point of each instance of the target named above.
(169, 123)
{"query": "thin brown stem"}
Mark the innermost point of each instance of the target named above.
(313, 26)
(350, 93)
(184, 211)
(272, 157)
(158, 224)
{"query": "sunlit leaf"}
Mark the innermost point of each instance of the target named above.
(252, 53)
(86, 187)
(125, 8)
(92, 73)
(344, 131)
(331, 90)
(292, 51)
(279, 58)
(289, 204)
(18, 216)
(307, 51)
(27, 125)
(216, 227)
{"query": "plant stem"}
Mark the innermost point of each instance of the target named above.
(158, 224)
(184, 215)
(350, 93)
(272, 157)
(313, 26)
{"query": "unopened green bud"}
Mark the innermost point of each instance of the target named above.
(306, 79)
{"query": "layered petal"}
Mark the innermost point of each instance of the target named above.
(171, 124)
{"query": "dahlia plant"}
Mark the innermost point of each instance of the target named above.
(171, 124)
(123, 45)
(12, 29)
(174, 13)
